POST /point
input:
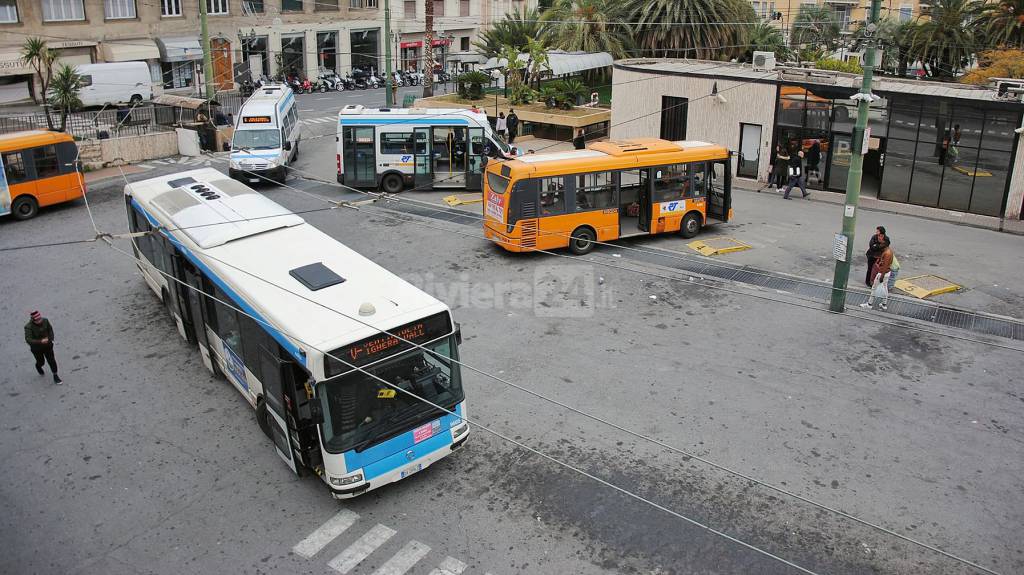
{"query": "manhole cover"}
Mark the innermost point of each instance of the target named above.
(716, 246)
(926, 286)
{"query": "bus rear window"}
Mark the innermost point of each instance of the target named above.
(496, 183)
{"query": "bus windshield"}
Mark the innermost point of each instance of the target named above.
(496, 183)
(256, 140)
(359, 409)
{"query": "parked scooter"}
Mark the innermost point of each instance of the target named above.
(396, 79)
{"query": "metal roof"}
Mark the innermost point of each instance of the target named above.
(561, 62)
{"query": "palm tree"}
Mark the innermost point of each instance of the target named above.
(515, 30)
(707, 29)
(947, 40)
(1002, 23)
(587, 26)
(894, 41)
(63, 94)
(537, 61)
(763, 37)
(816, 25)
(36, 54)
(428, 50)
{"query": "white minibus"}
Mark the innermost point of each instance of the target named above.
(266, 138)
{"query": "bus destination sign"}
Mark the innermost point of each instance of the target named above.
(375, 347)
(256, 119)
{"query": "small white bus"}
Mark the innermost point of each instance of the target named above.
(324, 412)
(114, 83)
(266, 138)
(429, 148)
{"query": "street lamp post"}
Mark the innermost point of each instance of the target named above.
(389, 84)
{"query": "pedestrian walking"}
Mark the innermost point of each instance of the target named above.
(780, 163)
(813, 160)
(874, 250)
(579, 141)
(500, 125)
(796, 175)
(881, 273)
(512, 123)
(39, 337)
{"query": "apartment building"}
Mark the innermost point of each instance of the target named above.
(850, 12)
(265, 36)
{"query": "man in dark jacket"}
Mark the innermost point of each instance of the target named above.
(512, 123)
(39, 337)
(579, 141)
(875, 249)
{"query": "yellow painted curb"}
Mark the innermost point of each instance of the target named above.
(717, 246)
(926, 286)
(454, 200)
(978, 173)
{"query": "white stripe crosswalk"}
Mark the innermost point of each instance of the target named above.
(361, 549)
(371, 542)
(322, 120)
(326, 533)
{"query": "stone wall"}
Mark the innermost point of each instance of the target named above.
(97, 154)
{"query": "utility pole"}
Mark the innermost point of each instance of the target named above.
(207, 56)
(428, 50)
(389, 96)
(858, 145)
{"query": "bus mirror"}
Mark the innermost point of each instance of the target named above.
(287, 146)
(458, 333)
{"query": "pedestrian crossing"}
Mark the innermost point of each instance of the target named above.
(372, 542)
(323, 120)
(190, 161)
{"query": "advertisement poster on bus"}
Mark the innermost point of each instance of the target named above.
(236, 367)
(5, 190)
(495, 207)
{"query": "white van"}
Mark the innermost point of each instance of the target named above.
(114, 83)
(266, 138)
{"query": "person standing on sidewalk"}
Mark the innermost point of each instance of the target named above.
(512, 123)
(779, 167)
(500, 126)
(39, 337)
(881, 273)
(796, 175)
(874, 250)
(579, 141)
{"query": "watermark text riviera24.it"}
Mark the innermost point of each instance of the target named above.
(553, 291)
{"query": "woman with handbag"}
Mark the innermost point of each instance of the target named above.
(880, 273)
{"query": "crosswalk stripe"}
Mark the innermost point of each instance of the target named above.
(450, 566)
(361, 549)
(145, 166)
(326, 533)
(403, 560)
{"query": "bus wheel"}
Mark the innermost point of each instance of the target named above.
(136, 98)
(582, 241)
(690, 225)
(392, 183)
(24, 207)
(262, 418)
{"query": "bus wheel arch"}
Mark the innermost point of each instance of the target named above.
(24, 207)
(582, 240)
(262, 417)
(690, 225)
(392, 182)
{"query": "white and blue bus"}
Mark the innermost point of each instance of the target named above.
(220, 237)
(429, 148)
(266, 137)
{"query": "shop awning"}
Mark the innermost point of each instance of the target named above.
(129, 50)
(561, 62)
(419, 44)
(179, 49)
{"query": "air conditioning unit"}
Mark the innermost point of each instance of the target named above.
(1012, 90)
(764, 61)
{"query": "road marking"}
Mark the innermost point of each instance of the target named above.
(361, 549)
(450, 566)
(145, 166)
(324, 98)
(404, 560)
(326, 533)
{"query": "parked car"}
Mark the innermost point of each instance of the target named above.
(115, 83)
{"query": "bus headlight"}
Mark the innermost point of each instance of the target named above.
(347, 480)
(459, 431)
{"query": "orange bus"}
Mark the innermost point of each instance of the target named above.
(39, 168)
(610, 190)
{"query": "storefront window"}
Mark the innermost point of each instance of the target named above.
(293, 54)
(178, 74)
(927, 177)
(327, 50)
(990, 183)
(254, 51)
(899, 165)
(998, 132)
(905, 116)
(364, 49)
(958, 178)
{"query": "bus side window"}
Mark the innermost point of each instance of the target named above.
(552, 196)
(595, 191)
(46, 161)
(67, 153)
(227, 322)
(14, 167)
(699, 179)
(671, 182)
(253, 336)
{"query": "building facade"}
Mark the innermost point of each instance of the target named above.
(947, 146)
(270, 38)
(849, 12)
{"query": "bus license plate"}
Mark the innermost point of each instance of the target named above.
(411, 469)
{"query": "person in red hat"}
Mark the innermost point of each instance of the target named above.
(39, 337)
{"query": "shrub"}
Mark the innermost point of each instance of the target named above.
(838, 65)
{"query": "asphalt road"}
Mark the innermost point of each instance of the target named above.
(144, 463)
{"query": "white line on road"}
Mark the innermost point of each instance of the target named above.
(326, 533)
(145, 166)
(361, 549)
(450, 566)
(324, 98)
(403, 560)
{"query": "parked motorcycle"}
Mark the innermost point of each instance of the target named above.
(396, 79)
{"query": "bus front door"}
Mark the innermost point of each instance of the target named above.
(276, 375)
(477, 159)
(360, 161)
(719, 191)
(423, 159)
